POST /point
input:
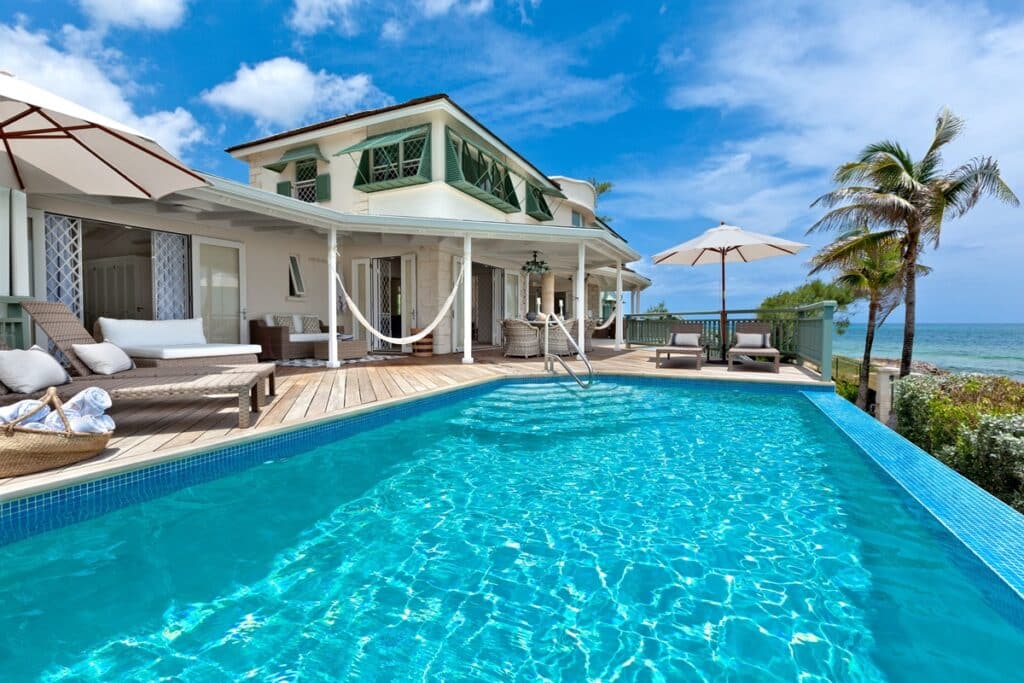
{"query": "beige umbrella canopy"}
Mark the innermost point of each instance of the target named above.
(51, 145)
(726, 244)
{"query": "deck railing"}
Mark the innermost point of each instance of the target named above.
(15, 327)
(801, 334)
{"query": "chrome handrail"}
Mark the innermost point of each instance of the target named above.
(549, 357)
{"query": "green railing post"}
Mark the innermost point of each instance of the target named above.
(828, 310)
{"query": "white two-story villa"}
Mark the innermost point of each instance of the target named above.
(398, 201)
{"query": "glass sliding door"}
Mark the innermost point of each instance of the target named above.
(218, 268)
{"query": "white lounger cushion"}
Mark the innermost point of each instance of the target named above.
(753, 340)
(175, 351)
(148, 333)
(316, 337)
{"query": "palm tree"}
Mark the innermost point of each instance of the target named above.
(601, 188)
(908, 200)
(870, 264)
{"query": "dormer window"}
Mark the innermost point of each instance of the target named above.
(391, 160)
(536, 204)
(577, 219)
(478, 174)
(307, 184)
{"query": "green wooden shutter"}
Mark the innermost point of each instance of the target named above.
(452, 169)
(323, 187)
(363, 172)
(285, 187)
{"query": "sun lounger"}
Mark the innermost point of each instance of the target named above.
(683, 349)
(745, 332)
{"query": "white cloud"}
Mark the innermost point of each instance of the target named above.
(286, 92)
(151, 14)
(312, 16)
(437, 8)
(393, 30)
(88, 80)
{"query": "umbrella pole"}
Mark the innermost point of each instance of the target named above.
(723, 322)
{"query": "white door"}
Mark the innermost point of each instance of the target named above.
(360, 295)
(218, 289)
(512, 296)
(408, 300)
(497, 304)
(457, 308)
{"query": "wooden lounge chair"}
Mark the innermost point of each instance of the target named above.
(696, 351)
(754, 327)
(247, 386)
(65, 330)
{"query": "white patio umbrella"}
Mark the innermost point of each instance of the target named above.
(726, 244)
(52, 145)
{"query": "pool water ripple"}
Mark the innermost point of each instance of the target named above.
(535, 532)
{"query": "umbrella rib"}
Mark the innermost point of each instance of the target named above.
(694, 262)
(775, 246)
(14, 164)
(39, 132)
(19, 116)
(153, 154)
(88, 149)
(666, 258)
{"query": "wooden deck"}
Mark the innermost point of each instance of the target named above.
(151, 431)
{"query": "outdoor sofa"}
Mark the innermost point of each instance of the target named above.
(752, 338)
(171, 343)
(684, 339)
(286, 336)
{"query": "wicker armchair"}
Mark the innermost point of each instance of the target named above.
(558, 343)
(276, 342)
(521, 339)
(588, 335)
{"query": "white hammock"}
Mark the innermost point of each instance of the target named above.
(607, 323)
(400, 341)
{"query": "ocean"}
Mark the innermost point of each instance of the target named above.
(990, 348)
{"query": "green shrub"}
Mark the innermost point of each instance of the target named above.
(847, 388)
(973, 423)
(992, 456)
(931, 409)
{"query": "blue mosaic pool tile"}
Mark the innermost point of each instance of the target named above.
(992, 530)
(54, 509)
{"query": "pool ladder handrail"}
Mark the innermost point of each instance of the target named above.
(549, 357)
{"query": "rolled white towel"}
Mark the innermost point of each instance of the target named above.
(89, 401)
(13, 412)
(85, 424)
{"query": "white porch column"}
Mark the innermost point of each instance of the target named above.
(618, 305)
(467, 299)
(581, 294)
(332, 299)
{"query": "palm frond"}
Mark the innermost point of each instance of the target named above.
(979, 177)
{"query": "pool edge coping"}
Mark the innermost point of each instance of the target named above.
(966, 514)
(73, 477)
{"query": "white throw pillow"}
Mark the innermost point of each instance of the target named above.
(685, 339)
(753, 340)
(25, 372)
(103, 358)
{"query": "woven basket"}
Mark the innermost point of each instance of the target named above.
(23, 451)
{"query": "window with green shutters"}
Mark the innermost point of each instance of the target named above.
(401, 159)
(478, 174)
(308, 184)
(536, 204)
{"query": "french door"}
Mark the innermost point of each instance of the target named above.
(218, 289)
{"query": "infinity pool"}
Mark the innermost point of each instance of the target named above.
(531, 531)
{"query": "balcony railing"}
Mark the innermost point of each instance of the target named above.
(801, 334)
(15, 328)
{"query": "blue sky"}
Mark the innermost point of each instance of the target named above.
(699, 112)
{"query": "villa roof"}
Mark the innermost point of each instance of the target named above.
(348, 118)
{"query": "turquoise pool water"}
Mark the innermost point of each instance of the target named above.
(534, 532)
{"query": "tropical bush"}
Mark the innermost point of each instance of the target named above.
(973, 423)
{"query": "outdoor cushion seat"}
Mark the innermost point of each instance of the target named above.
(752, 330)
(179, 351)
(315, 337)
(683, 332)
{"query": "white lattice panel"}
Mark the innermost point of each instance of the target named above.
(63, 236)
(170, 276)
